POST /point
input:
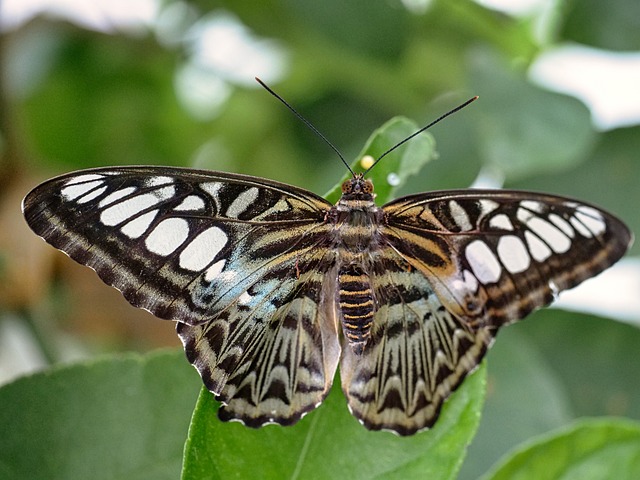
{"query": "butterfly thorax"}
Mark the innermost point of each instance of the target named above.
(355, 239)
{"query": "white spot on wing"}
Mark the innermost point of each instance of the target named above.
(164, 193)
(538, 249)
(242, 202)
(117, 195)
(214, 271)
(591, 218)
(158, 181)
(532, 205)
(168, 235)
(469, 283)
(562, 224)
(524, 215)
(192, 202)
(579, 226)
(138, 226)
(501, 221)
(483, 262)
(460, 216)
(470, 280)
(201, 251)
(92, 195)
(552, 236)
(75, 190)
(513, 254)
(244, 298)
(487, 206)
(212, 188)
(121, 211)
(84, 178)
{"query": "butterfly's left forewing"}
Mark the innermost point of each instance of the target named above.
(237, 261)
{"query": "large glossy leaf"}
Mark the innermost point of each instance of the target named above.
(330, 443)
(116, 417)
(591, 449)
(547, 371)
(526, 397)
(594, 358)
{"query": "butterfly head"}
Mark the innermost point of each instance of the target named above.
(358, 186)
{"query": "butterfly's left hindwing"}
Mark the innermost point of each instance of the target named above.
(274, 359)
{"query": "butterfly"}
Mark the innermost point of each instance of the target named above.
(272, 287)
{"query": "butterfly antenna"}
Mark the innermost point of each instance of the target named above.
(306, 122)
(442, 117)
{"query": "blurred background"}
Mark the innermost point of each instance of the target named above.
(171, 82)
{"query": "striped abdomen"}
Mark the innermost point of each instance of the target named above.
(356, 305)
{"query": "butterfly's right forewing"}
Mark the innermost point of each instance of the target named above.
(179, 243)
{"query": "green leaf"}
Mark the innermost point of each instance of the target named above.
(524, 129)
(611, 25)
(330, 443)
(548, 370)
(117, 417)
(588, 449)
(394, 169)
(526, 397)
(594, 359)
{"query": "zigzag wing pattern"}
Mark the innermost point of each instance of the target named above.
(455, 267)
(272, 359)
(260, 276)
(419, 352)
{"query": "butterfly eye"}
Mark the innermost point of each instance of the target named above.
(347, 186)
(367, 187)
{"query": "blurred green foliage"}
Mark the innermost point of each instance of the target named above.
(73, 98)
